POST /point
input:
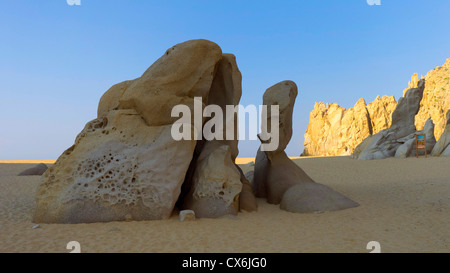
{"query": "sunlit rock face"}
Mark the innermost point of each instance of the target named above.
(334, 130)
(125, 164)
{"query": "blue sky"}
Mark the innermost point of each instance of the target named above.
(57, 60)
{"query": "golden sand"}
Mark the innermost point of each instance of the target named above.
(405, 206)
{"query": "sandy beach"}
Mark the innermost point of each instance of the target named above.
(405, 206)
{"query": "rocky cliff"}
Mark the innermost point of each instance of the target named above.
(436, 99)
(334, 130)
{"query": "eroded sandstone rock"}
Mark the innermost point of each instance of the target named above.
(278, 178)
(216, 183)
(215, 186)
(334, 130)
(125, 163)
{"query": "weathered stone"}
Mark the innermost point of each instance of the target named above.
(215, 186)
(249, 175)
(110, 99)
(216, 183)
(260, 174)
(282, 174)
(334, 130)
(126, 162)
(405, 149)
(436, 99)
(275, 174)
(226, 90)
(329, 135)
(312, 197)
(187, 215)
(385, 143)
(247, 200)
(282, 94)
(39, 169)
(442, 147)
(185, 71)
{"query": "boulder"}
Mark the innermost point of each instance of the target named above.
(185, 71)
(216, 183)
(226, 90)
(281, 180)
(215, 186)
(405, 149)
(385, 143)
(336, 131)
(260, 174)
(283, 95)
(125, 163)
(282, 174)
(187, 215)
(446, 152)
(247, 200)
(312, 197)
(39, 169)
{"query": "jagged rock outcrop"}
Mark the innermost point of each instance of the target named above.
(396, 140)
(331, 133)
(334, 130)
(436, 99)
(278, 178)
(125, 164)
(442, 147)
(39, 169)
(380, 112)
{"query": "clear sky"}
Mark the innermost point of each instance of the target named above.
(57, 60)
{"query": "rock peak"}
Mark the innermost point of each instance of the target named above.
(332, 133)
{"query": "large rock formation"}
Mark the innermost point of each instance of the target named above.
(398, 140)
(442, 147)
(279, 179)
(436, 98)
(214, 184)
(332, 131)
(380, 112)
(125, 164)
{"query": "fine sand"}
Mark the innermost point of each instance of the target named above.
(405, 206)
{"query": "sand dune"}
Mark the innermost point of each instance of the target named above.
(405, 205)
